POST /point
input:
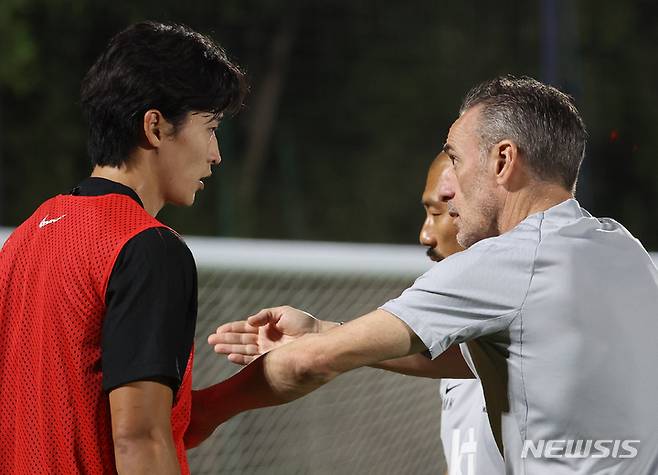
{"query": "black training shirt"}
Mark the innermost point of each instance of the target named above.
(151, 302)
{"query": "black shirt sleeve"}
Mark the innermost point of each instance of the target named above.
(151, 302)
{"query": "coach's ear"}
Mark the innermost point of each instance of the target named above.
(508, 168)
(155, 127)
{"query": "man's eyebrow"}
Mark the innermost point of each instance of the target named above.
(447, 148)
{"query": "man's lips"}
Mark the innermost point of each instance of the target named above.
(203, 185)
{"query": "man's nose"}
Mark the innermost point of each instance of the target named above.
(426, 237)
(215, 156)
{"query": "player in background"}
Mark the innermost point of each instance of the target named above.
(468, 443)
(98, 299)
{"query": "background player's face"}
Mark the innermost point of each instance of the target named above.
(185, 158)
(438, 233)
(474, 204)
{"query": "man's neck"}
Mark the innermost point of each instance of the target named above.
(140, 180)
(520, 204)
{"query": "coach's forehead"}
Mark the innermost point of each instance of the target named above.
(463, 133)
(465, 125)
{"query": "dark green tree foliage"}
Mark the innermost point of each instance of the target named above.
(350, 102)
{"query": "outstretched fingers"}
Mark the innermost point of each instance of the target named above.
(234, 338)
(241, 326)
(229, 349)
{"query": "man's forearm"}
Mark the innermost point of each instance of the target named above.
(298, 368)
(245, 390)
(275, 378)
(141, 428)
(146, 455)
(325, 325)
(449, 364)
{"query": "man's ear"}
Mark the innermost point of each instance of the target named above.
(506, 161)
(154, 125)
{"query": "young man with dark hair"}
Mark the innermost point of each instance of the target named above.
(97, 298)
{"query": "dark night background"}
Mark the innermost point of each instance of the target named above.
(349, 103)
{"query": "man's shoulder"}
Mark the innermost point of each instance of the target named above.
(571, 230)
(513, 248)
(496, 270)
(160, 241)
(520, 244)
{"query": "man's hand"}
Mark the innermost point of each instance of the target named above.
(245, 340)
(270, 328)
(293, 370)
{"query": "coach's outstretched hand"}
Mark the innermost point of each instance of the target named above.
(243, 341)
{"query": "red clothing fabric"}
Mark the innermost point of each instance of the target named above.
(54, 269)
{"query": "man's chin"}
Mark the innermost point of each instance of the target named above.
(181, 202)
(188, 200)
(465, 240)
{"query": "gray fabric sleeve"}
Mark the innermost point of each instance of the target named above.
(471, 294)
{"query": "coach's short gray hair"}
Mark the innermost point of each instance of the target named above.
(542, 121)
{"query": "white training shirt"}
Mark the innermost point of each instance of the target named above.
(565, 311)
(468, 443)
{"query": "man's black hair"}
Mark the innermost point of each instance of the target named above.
(151, 65)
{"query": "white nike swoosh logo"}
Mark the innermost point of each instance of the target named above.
(46, 222)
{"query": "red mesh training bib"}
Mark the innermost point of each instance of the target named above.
(54, 269)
